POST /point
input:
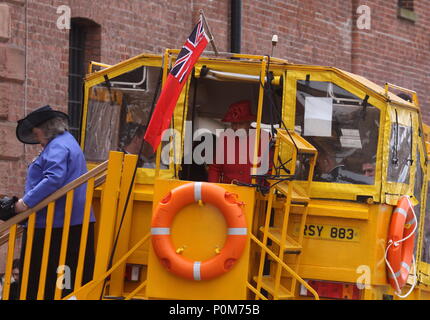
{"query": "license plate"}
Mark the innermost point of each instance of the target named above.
(330, 232)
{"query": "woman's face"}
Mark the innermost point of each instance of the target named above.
(240, 125)
(40, 136)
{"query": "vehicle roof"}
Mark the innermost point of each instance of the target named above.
(278, 62)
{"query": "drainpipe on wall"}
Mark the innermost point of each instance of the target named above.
(235, 25)
(26, 70)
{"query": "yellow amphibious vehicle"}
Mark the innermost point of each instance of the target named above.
(303, 233)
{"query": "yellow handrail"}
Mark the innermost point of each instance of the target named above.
(94, 63)
(10, 228)
(53, 197)
(257, 292)
(4, 238)
(46, 246)
(84, 235)
(285, 266)
(412, 92)
(65, 236)
(28, 247)
(137, 290)
(296, 144)
(266, 224)
(89, 287)
(11, 249)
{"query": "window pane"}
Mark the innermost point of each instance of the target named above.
(76, 74)
(400, 153)
(425, 255)
(418, 187)
(342, 127)
(406, 4)
(118, 113)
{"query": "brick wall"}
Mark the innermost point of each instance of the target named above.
(311, 32)
(395, 49)
(32, 48)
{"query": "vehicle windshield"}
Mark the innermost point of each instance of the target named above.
(343, 128)
(118, 112)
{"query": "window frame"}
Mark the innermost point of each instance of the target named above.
(392, 189)
(143, 175)
(406, 10)
(77, 39)
(332, 190)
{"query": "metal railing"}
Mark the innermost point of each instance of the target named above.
(11, 229)
(295, 144)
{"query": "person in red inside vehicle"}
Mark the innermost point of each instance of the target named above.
(234, 152)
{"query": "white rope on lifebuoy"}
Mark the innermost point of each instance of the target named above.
(397, 243)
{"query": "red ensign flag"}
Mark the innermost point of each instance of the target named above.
(166, 103)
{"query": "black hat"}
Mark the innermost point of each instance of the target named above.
(35, 118)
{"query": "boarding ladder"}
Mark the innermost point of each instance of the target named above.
(277, 236)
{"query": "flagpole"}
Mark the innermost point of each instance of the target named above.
(211, 37)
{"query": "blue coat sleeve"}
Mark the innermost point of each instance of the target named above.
(54, 172)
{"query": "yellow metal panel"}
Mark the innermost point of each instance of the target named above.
(376, 88)
(142, 213)
(199, 231)
(339, 209)
(143, 192)
(27, 257)
(339, 260)
(122, 67)
(46, 247)
(108, 215)
(117, 278)
(84, 234)
(424, 274)
(87, 89)
(259, 115)
(64, 238)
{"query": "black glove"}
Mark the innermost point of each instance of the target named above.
(7, 208)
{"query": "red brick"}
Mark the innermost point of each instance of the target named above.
(12, 63)
(11, 101)
(10, 147)
(16, 2)
(4, 103)
(5, 22)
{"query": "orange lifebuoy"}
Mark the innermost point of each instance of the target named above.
(400, 253)
(237, 231)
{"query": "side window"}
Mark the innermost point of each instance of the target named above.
(418, 188)
(343, 127)
(400, 158)
(425, 254)
(118, 111)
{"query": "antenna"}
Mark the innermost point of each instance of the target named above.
(274, 42)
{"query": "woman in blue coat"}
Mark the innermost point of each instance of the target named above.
(60, 162)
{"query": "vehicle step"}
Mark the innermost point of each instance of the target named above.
(291, 246)
(298, 195)
(268, 284)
